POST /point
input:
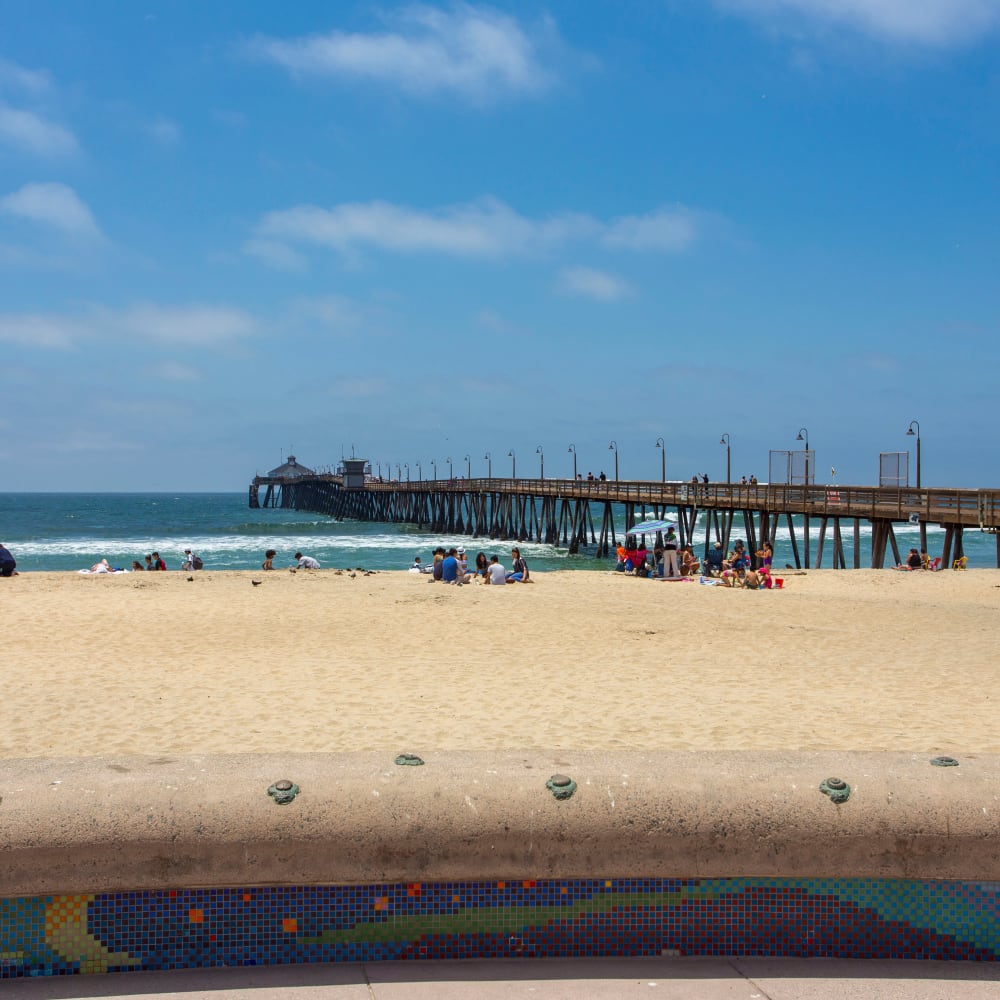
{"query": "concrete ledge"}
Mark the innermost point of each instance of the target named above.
(132, 823)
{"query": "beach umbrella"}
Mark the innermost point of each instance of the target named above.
(650, 527)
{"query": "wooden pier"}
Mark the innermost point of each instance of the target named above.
(579, 515)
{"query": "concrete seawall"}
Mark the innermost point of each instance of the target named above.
(139, 823)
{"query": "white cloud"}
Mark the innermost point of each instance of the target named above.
(360, 388)
(666, 229)
(476, 52)
(33, 134)
(280, 256)
(165, 132)
(51, 204)
(32, 330)
(31, 81)
(198, 326)
(593, 284)
(173, 371)
(202, 326)
(483, 228)
(932, 23)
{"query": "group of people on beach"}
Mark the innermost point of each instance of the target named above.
(670, 560)
(451, 566)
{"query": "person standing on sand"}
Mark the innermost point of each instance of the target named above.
(671, 546)
(158, 563)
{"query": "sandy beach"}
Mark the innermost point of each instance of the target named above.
(326, 662)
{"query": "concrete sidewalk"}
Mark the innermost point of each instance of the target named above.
(551, 979)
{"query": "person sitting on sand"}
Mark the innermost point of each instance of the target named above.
(268, 562)
(137, 567)
(734, 577)
(305, 562)
(8, 565)
(714, 560)
(518, 569)
(158, 563)
(912, 561)
(690, 563)
(449, 567)
(464, 576)
(482, 565)
(497, 575)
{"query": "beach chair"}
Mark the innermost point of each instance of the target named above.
(934, 564)
(960, 562)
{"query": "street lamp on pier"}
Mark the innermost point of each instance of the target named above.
(614, 447)
(729, 465)
(434, 466)
(420, 472)
(541, 454)
(468, 467)
(489, 465)
(804, 431)
(451, 473)
(663, 459)
(910, 433)
(572, 448)
(513, 463)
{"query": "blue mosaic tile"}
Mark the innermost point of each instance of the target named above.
(189, 928)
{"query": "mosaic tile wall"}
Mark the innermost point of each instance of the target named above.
(853, 918)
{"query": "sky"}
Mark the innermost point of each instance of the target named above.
(453, 238)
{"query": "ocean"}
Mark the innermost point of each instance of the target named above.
(49, 532)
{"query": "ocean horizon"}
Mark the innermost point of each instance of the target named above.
(54, 532)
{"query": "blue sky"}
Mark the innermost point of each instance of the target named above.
(418, 232)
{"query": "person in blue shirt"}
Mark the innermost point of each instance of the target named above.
(8, 564)
(449, 567)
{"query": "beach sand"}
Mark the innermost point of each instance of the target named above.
(326, 662)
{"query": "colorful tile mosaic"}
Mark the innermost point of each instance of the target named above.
(196, 928)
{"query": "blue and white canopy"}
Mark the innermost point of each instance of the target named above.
(650, 527)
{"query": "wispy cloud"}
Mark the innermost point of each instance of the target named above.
(593, 284)
(39, 330)
(475, 52)
(192, 326)
(174, 371)
(485, 228)
(30, 81)
(200, 325)
(52, 204)
(164, 131)
(931, 23)
(31, 133)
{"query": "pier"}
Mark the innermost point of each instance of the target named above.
(579, 514)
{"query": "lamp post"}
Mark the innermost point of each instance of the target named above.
(541, 454)
(572, 448)
(614, 447)
(420, 472)
(451, 473)
(663, 459)
(434, 466)
(513, 463)
(489, 465)
(910, 432)
(399, 473)
(468, 467)
(803, 430)
(729, 466)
